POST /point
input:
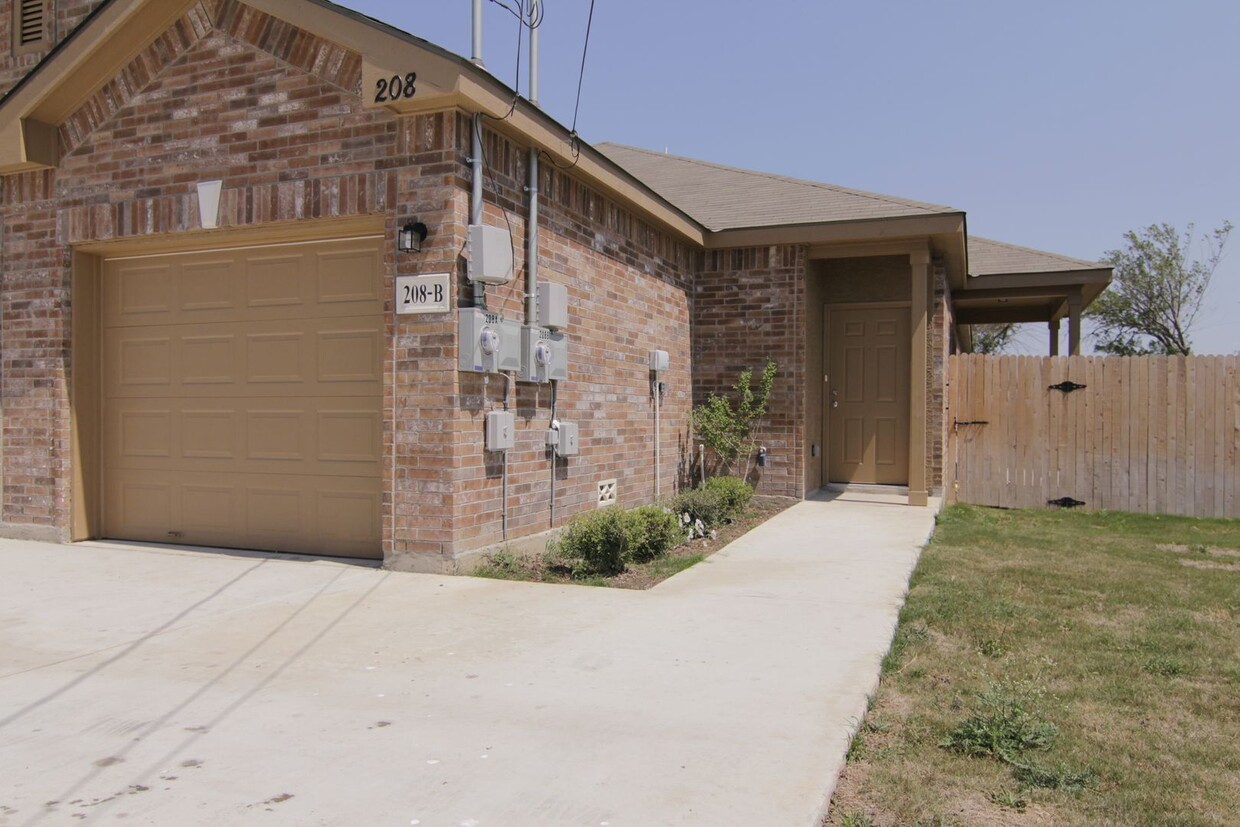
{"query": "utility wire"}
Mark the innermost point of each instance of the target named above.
(582, 73)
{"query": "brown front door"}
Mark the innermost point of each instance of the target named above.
(867, 415)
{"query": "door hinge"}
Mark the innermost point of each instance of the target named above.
(1067, 386)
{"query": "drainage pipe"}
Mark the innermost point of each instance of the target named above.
(531, 234)
(554, 425)
(504, 494)
(658, 441)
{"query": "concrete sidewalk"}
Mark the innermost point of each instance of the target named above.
(165, 687)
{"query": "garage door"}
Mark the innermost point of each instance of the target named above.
(242, 398)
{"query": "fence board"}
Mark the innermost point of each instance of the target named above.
(1148, 433)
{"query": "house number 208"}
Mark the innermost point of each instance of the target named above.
(423, 293)
(395, 87)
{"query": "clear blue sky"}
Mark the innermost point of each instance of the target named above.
(1056, 125)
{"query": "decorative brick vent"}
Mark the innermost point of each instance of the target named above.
(606, 493)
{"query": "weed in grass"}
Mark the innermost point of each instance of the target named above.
(1165, 666)
(665, 567)
(991, 647)
(1054, 777)
(937, 821)
(504, 565)
(855, 818)
(1005, 725)
(907, 635)
(1012, 800)
(856, 748)
(875, 725)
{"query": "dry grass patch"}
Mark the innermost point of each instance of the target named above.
(1058, 668)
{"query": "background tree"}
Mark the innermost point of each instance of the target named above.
(1156, 291)
(992, 338)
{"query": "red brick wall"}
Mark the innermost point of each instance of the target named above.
(749, 305)
(628, 287)
(66, 15)
(228, 93)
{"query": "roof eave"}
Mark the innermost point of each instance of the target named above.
(827, 232)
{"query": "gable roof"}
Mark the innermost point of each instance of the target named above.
(725, 198)
(988, 257)
(115, 34)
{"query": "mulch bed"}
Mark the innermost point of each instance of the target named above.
(645, 575)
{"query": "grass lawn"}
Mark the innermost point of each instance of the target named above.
(1058, 667)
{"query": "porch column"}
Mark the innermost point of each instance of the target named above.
(1053, 326)
(917, 493)
(1074, 323)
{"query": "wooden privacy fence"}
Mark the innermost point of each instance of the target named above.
(1157, 434)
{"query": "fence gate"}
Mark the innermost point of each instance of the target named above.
(1156, 434)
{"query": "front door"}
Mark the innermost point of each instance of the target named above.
(867, 393)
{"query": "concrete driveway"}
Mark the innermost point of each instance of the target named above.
(154, 686)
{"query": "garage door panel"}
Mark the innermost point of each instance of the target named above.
(312, 281)
(272, 513)
(206, 287)
(276, 281)
(349, 355)
(210, 359)
(348, 277)
(143, 291)
(145, 434)
(243, 397)
(337, 436)
(287, 357)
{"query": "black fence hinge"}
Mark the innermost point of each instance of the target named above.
(1067, 386)
(1065, 502)
(956, 423)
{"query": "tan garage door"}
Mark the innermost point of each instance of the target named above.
(242, 398)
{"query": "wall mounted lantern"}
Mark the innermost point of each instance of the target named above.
(410, 237)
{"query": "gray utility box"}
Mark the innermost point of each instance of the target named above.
(544, 355)
(552, 305)
(489, 253)
(501, 430)
(489, 343)
(567, 445)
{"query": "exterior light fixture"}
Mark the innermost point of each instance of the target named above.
(410, 237)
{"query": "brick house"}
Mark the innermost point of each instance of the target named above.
(200, 330)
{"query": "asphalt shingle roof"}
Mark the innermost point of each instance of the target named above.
(992, 258)
(724, 198)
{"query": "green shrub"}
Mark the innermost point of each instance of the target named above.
(719, 501)
(734, 494)
(655, 532)
(596, 543)
(700, 504)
